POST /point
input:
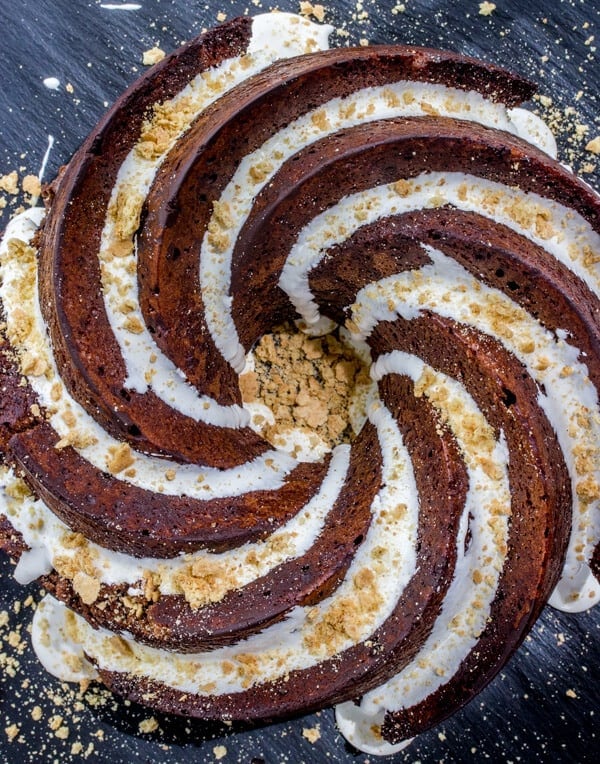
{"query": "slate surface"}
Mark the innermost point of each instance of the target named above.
(544, 706)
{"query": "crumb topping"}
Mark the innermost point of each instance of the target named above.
(307, 383)
(119, 458)
(204, 582)
(347, 618)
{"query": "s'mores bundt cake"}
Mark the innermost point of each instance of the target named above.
(395, 204)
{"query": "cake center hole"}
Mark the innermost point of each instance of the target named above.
(305, 394)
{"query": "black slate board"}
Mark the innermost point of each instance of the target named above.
(544, 706)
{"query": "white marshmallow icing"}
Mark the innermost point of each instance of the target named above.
(61, 637)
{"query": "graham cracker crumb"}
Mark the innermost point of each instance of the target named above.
(120, 457)
(162, 128)
(55, 722)
(249, 386)
(403, 187)
(10, 182)
(486, 9)
(11, 732)
(204, 582)
(77, 439)
(219, 751)
(308, 9)
(148, 725)
(62, 733)
(594, 145)
(36, 713)
(152, 56)
(87, 587)
(133, 324)
(126, 211)
(312, 734)
(31, 185)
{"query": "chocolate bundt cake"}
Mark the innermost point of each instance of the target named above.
(396, 200)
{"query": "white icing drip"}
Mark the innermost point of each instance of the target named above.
(52, 83)
(533, 129)
(32, 564)
(22, 226)
(120, 6)
(577, 591)
(45, 534)
(287, 34)
(356, 727)
(466, 607)
(364, 106)
(46, 157)
(52, 639)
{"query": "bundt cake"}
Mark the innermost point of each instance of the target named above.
(395, 201)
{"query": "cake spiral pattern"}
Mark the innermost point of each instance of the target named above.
(396, 193)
